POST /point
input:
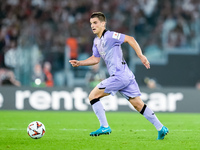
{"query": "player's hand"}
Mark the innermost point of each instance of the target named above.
(145, 61)
(75, 63)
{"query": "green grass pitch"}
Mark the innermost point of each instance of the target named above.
(70, 131)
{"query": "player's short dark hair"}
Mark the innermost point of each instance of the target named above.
(98, 15)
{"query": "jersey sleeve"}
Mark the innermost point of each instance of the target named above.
(117, 38)
(95, 51)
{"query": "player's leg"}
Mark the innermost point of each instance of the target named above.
(98, 109)
(97, 93)
(139, 105)
(108, 86)
(97, 106)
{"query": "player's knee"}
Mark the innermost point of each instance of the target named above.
(95, 95)
(92, 96)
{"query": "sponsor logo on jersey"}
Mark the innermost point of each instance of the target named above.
(116, 35)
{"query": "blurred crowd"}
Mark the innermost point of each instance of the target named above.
(49, 26)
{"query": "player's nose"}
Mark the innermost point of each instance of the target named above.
(92, 25)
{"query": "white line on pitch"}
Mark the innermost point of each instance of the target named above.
(65, 129)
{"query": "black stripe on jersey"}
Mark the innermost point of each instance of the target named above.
(104, 32)
(101, 88)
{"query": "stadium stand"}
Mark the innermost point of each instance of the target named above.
(166, 30)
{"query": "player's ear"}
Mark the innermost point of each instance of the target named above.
(103, 23)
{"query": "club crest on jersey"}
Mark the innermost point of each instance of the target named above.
(116, 35)
(103, 42)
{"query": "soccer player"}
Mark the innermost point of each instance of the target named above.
(107, 45)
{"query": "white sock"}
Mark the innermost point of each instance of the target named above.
(150, 116)
(100, 113)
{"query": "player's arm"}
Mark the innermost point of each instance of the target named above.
(133, 43)
(87, 62)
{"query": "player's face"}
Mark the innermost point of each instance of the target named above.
(97, 26)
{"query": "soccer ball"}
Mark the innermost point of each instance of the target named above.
(36, 129)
